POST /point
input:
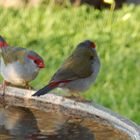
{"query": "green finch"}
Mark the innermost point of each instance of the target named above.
(78, 71)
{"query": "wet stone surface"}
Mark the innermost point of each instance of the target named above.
(19, 123)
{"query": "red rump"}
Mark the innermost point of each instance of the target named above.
(54, 84)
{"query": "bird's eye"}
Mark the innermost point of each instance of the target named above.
(91, 57)
(35, 61)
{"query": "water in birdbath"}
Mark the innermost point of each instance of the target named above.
(19, 123)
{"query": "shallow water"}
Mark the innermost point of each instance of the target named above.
(19, 123)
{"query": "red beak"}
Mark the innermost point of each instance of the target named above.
(41, 65)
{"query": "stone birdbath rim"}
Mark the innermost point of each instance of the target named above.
(22, 97)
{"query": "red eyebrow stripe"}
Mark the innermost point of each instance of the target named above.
(31, 57)
(93, 45)
(39, 62)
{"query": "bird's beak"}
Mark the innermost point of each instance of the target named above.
(93, 45)
(41, 65)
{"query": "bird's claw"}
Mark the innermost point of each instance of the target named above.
(78, 99)
(24, 86)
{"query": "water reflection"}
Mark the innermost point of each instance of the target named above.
(67, 132)
(74, 131)
(19, 123)
(57, 126)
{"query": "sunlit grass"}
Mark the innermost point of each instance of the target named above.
(55, 31)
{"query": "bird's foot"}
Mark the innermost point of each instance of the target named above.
(4, 84)
(27, 86)
(78, 98)
(3, 87)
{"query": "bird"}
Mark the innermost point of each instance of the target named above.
(18, 66)
(78, 71)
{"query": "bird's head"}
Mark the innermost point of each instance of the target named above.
(86, 49)
(36, 59)
(87, 44)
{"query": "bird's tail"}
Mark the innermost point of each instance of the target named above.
(50, 87)
(45, 90)
(3, 43)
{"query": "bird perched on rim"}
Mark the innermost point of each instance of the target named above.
(78, 72)
(18, 66)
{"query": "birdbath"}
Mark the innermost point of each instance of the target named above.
(54, 117)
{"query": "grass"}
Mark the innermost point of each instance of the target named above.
(55, 31)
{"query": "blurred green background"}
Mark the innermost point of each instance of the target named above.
(54, 31)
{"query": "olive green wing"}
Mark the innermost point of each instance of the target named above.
(12, 54)
(75, 67)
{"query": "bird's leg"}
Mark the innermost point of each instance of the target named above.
(72, 95)
(27, 86)
(2, 100)
(3, 87)
(24, 86)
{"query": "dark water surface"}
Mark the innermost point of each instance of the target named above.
(19, 123)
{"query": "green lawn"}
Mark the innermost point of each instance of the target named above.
(55, 31)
